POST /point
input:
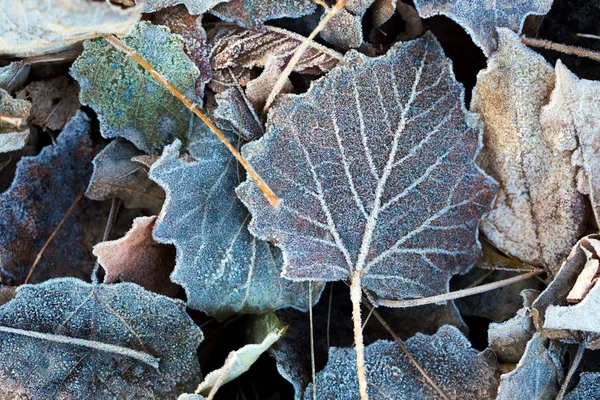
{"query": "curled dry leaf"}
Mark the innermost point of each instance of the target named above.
(382, 11)
(67, 339)
(481, 18)
(31, 27)
(195, 7)
(538, 214)
(587, 388)
(258, 89)
(53, 101)
(43, 189)
(138, 258)
(117, 175)
(12, 139)
(250, 13)
(375, 166)
(459, 370)
(235, 113)
(129, 102)
(344, 30)
(222, 267)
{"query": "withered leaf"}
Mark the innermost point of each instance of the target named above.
(249, 13)
(235, 113)
(10, 138)
(138, 258)
(53, 102)
(31, 27)
(129, 102)
(459, 370)
(222, 267)
(259, 88)
(375, 166)
(481, 18)
(67, 339)
(195, 7)
(538, 214)
(116, 175)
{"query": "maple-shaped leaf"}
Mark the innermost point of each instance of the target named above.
(249, 13)
(67, 339)
(375, 166)
(222, 267)
(345, 29)
(481, 18)
(587, 388)
(10, 138)
(570, 119)
(195, 7)
(460, 371)
(31, 27)
(538, 214)
(116, 175)
(129, 102)
(138, 258)
(43, 190)
(54, 101)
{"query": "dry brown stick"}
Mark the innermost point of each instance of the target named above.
(403, 348)
(60, 224)
(226, 368)
(563, 48)
(459, 293)
(118, 44)
(572, 369)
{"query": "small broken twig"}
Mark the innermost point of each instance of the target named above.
(563, 48)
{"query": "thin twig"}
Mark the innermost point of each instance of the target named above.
(481, 278)
(459, 293)
(110, 222)
(228, 365)
(49, 240)
(563, 48)
(403, 348)
(572, 369)
(118, 44)
(298, 54)
(329, 313)
(312, 341)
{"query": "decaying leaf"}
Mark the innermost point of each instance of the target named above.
(138, 258)
(31, 27)
(67, 339)
(538, 374)
(538, 214)
(587, 388)
(14, 75)
(459, 370)
(481, 18)
(195, 7)
(222, 267)
(375, 166)
(43, 189)
(344, 30)
(249, 13)
(10, 138)
(129, 102)
(116, 175)
(234, 113)
(571, 120)
(53, 102)
(259, 88)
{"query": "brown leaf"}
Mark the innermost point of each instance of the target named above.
(258, 89)
(235, 113)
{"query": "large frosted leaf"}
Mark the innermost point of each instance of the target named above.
(10, 139)
(222, 267)
(254, 12)
(587, 388)
(32, 27)
(480, 18)
(66, 339)
(129, 102)
(375, 166)
(459, 370)
(195, 7)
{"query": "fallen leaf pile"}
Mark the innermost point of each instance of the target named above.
(434, 228)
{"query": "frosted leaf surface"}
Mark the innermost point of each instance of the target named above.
(587, 388)
(129, 102)
(459, 370)
(67, 339)
(116, 175)
(222, 267)
(11, 140)
(344, 30)
(538, 214)
(249, 13)
(375, 166)
(32, 27)
(234, 113)
(195, 7)
(481, 18)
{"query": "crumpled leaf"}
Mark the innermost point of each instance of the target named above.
(570, 119)
(31, 27)
(53, 101)
(117, 175)
(481, 18)
(587, 388)
(195, 7)
(43, 189)
(222, 267)
(67, 339)
(375, 167)
(538, 374)
(235, 114)
(10, 139)
(259, 88)
(344, 30)
(459, 370)
(138, 258)
(250, 13)
(538, 214)
(14, 75)
(129, 102)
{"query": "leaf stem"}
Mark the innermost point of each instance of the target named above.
(563, 48)
(572, 369)
(118, 44)
(356, 297)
